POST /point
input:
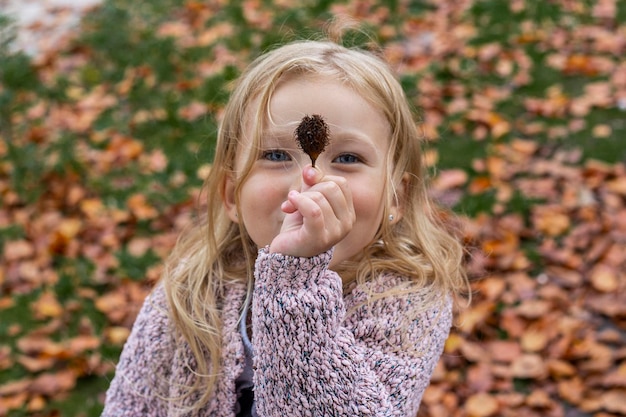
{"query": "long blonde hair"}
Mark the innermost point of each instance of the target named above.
(217, 251)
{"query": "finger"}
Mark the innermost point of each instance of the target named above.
(337, 192)
(312, 206)
(287, 206)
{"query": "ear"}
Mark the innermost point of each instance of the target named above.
(229, 200)
(398, 200)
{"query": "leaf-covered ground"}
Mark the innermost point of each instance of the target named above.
(105, 139)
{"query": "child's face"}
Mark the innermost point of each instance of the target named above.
(359, 141)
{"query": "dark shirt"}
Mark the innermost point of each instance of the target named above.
(244, 383)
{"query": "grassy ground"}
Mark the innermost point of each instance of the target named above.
(105, 142)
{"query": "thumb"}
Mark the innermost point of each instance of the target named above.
(311, 176)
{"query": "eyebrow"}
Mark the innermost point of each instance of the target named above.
(278, 138)
(282, 136)
(351, 136)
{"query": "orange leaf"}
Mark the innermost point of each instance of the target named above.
(140, 207)
(480, 185)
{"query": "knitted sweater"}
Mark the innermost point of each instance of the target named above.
(316, 351)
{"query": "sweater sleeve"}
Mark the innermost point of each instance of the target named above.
(139, 387)
(313, 358)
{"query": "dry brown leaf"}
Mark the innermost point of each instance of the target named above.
(36, 364)
(604, 278)
(481, 405)
(112, 304)
(79, 344)
(35, 344)
(14, 387)
(560, 369)
(529, 366)
(617, 186)
(571, 390)
(451, 178)
(138, 246)
(504, 350)
(473, 352)
(539, 399)
(551, 220)
(12, 402)
(17, 249)
(491, 287)
(534, 341)
(51, 384)
(472, 317)
(480, 377)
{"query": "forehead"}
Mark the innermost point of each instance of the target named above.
(272, 120)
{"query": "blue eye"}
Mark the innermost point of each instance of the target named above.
(347, 158)
(276, 155)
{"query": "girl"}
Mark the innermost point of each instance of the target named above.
(306, 291)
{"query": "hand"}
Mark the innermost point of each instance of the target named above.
(317, 217)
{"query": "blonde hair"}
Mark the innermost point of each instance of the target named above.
(209, 256)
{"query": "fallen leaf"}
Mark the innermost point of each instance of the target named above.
(116, 335)
(504, 350)
(529, 366)
(51, 384)
(604, 278)
(140, 208)
(47, 306)
(571, 390)
(481, 405)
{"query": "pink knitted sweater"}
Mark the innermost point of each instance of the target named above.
(316, 351)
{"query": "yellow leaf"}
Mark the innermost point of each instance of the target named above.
(116, 335)
(47, 306)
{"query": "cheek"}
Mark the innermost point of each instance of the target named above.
(260, 210)
(368, 207)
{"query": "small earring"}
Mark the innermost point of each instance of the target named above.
(391, 217)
